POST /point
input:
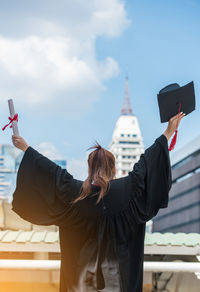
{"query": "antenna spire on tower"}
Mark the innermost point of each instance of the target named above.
(126, 107)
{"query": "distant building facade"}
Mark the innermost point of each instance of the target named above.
(8, 170)
(127, 142)
(183, 212)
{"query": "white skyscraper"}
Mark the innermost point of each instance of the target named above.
(127, 142)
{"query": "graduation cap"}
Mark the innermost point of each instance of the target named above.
(172, 99)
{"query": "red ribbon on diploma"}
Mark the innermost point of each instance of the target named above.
(15, 118)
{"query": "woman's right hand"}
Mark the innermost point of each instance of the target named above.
(19, 142)
(173, 125)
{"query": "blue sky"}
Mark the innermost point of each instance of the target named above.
(65, 68)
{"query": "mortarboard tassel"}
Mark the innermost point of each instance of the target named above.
(173, 141)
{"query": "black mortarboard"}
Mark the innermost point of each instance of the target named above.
(173, 96)
(173, 99)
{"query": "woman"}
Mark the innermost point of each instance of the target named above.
(101, 220)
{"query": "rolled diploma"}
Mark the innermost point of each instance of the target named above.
(12, 113)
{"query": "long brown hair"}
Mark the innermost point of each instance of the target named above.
(101, 168)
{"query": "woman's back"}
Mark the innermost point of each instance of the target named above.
(105, 238)
(102, 244)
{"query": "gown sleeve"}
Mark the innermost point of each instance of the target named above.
(44, 191)
(151, 181)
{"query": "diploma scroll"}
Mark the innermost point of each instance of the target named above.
(12, 113)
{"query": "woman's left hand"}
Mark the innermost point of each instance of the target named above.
(173, 124)
(19, 142)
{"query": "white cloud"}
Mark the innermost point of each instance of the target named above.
(78, 168)
(49, 150)
(109, 18)
(54, 64)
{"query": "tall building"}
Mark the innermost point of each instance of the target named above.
(4, 184)
(8, 156)
(183, 212)
(127, 142)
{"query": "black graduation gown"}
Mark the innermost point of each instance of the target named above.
(102, 246)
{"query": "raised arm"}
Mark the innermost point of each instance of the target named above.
(44, 190)
(151, 176)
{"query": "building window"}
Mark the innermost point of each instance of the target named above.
(186, 159)
(129, 142)
(126, 164)
(122, 135)
(197, 170)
